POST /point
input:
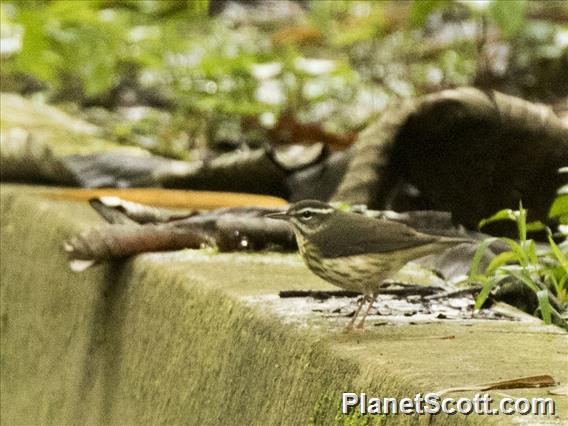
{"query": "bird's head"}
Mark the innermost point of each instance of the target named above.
(307, 217)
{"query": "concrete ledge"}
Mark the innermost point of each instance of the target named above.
(172, 339)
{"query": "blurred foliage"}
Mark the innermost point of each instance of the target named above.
(171, 77)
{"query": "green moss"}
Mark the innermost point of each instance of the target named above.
(165, 339)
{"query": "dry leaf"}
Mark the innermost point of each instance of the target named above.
(560, 390)
(520, 383)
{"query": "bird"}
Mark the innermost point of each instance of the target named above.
(356, 252)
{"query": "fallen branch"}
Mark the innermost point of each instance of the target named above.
(405, 290)
(116, 241)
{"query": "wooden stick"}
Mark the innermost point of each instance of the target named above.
(169, 198)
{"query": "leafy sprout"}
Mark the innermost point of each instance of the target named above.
(542, 270)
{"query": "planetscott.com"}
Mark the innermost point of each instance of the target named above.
(432, 403)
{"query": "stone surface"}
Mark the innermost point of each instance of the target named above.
(198, 337)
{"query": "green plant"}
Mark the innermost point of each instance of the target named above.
(508, 16)
(93, 43)
(544, 270)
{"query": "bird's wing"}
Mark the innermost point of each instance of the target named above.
(353, 234)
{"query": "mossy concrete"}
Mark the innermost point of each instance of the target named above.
(62, 132)
(171, 339)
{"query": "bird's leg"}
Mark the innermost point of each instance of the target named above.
(372, 299)
(349, 325)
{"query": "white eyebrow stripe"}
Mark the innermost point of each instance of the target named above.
(311, 209)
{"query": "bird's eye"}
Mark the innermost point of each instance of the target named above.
(307, 215)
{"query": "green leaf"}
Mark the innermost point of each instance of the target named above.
(500, 260)
(530, 250)
(544, 305)
(508, 15)
(557, 252)
(506, 214)
(562, 283)
(535, 226)
(486, 290)
(100, 78)
(521, 216)
(525, 278)
(36, 56)
(561, 288)
(421, 9)
(198, 8)
(478, 256)
(559, 209)
(559, 284)
(520, 254)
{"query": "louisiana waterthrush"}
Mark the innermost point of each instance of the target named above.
(356, 252)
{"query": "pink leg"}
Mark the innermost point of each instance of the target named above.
(349, 326)
(361, 324)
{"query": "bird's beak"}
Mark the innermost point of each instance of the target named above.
(278, 216)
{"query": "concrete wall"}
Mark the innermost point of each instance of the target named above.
(146, 342)
(131, 343)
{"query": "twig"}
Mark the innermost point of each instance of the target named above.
(326, 294)
(456, 293)
(317, 294)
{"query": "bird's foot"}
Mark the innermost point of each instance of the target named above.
(361, 325)
(351, 329)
